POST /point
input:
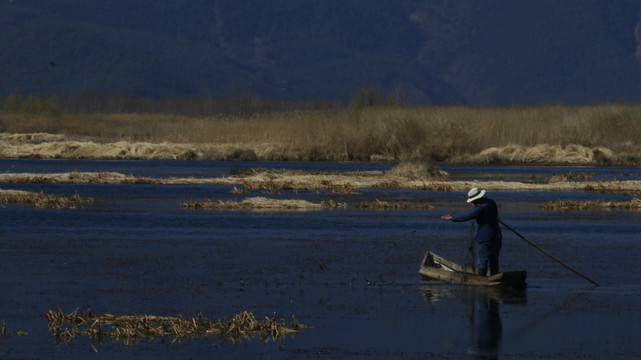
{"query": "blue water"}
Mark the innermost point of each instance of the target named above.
(350, 274)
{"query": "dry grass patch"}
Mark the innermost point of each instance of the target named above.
(633, 204)
(614, 187)
(130, 328)
(262, 203)
(78, 178)
(384, 205)
(253, 203)
(41, 200)
(572, 176)
(417, 170)
(337, 183)
(333, 204)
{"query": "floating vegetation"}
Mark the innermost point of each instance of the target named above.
(130, 328)
(252, 203)
(417, 170)
(572, 176)
(260, 203)
(41, 200)
(345, 188)
(235, 171)
(270, 182)
(333, 204)
(571, 204)
(614, 187)
(236, 190)
(437, 186)
(384, 205)
(80, 178)
(5, 333)
(274, 184)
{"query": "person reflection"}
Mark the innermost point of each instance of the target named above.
(487, 329)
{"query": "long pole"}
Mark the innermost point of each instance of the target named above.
(549, 255)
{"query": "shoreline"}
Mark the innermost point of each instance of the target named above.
(55, 146)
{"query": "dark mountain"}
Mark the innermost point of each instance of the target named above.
(466, 51)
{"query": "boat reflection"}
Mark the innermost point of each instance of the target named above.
(487, 329)
(482, 304)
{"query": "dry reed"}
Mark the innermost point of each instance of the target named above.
(253, 203)
(130, 328)
(597, 134)
(634, 204)
(614, 187)
(344, 183)
(41, 200)
(572, 176)
(385, 205)
(5, 333)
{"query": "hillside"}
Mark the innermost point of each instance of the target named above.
(468, 52)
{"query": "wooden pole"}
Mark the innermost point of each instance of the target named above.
(549, 255)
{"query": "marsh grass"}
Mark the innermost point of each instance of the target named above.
(602, 134)
(130, 328)
(385, 205)
(41, 200)
(572, 176)
(614, 187)
(634, 204)
(262, 203)
(253, 203)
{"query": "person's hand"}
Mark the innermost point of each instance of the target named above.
(446, 217)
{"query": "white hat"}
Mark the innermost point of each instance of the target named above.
(475, 194)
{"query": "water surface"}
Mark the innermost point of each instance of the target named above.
(351, 274)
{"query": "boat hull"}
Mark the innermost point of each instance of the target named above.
(438, 268)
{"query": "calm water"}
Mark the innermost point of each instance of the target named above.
(351, 274)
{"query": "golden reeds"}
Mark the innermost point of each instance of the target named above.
(130, 328)
(385, 205)
(598, 134)
(262, 203)
(253, 203)
(41, 200)
(342, 183)
(633, 204)
(572, 176)
(614, 187)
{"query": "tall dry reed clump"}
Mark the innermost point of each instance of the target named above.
(395, 133)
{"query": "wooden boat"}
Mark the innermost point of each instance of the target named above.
(438, 268)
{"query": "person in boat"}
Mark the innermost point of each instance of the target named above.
(488, 236)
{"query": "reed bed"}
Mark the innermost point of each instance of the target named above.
(342, 183)
(78, 178)
(597, 134)
(131, 328)
(41, 200)
(254, 203)
(614, 187)
(385, 205)
(262, 203)
(634, 204)
(572, 176)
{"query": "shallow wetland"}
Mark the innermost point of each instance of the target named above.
(348, 273)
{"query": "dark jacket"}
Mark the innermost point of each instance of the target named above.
(486, 214)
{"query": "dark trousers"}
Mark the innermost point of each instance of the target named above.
(488, 255)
